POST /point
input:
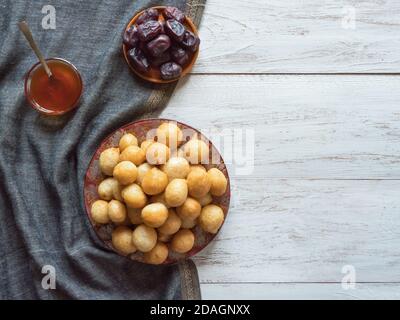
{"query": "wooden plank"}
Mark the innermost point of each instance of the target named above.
(307, 231)
(309, 36)
(314, 126)
(295, 291)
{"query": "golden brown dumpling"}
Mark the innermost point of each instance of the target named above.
(145, 144)
(142, 170)
(199, 183)
(116, 211)
(157, 255)
(109, 158)
(176, 168)
(211, 218)
(144, 238)
(169, 133)
(122, 240)
(195, 167)
(134, 196)
(176, 192)
(109, 189)
(154, 182)
(133, 154)
(196, 151)
(172, 224)
(125, 172)
(128, 139)
(190, 209)
(154, 214)
(157, 153)
(218, 182)
(182, 241)
(99, 212)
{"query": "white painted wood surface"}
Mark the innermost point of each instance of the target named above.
(324, 192)
(296, 291)
(307, 36)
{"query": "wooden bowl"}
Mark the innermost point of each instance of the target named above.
(153, 75)
(94, 177)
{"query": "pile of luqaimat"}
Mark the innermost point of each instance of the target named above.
(156, 193)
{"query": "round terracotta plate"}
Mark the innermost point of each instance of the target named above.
(153, 75)
(139, 129)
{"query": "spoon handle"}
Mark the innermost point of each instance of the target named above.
(23, 26)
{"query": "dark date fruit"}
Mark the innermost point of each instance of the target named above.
(175, 29)
(131, 37)
(173, 13)
(159, 45)
(190, 41)
(149, 14)
(139, 60)
(158, 61)
(170, 70)
(149, 30)
(179, 55)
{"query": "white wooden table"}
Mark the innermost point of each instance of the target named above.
(322, 93)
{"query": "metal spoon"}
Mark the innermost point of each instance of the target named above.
(23, 26)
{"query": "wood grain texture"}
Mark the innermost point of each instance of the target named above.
(306, 231)
(319, 126)
(294, 291)
(308, 36)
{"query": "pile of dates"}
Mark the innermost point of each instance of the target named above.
(166, 45)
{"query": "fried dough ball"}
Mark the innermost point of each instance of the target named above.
(154, 181)
(144, 238)
(196, 151)
(172, 224)
(142, 170)
(176, 192)
(211, 218)
(182, 241)
(157, 153)
(188, 223)
(194, 167)
(199, 183)
(163, 237)
(128, 139)
(154, 214)
(190, 209)
(134, 196)
(109, 189)
(157, 255)
(109, 158)
(145, 144)
(116, 211)
(218, 182)
(133, 154)
(176, 168)
(135, 215)
(169, 134)
(125, 172)
(205, 200)
(159, 198)
(121, 238)
(99, 212)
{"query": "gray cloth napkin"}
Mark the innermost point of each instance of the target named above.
(43, 160)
